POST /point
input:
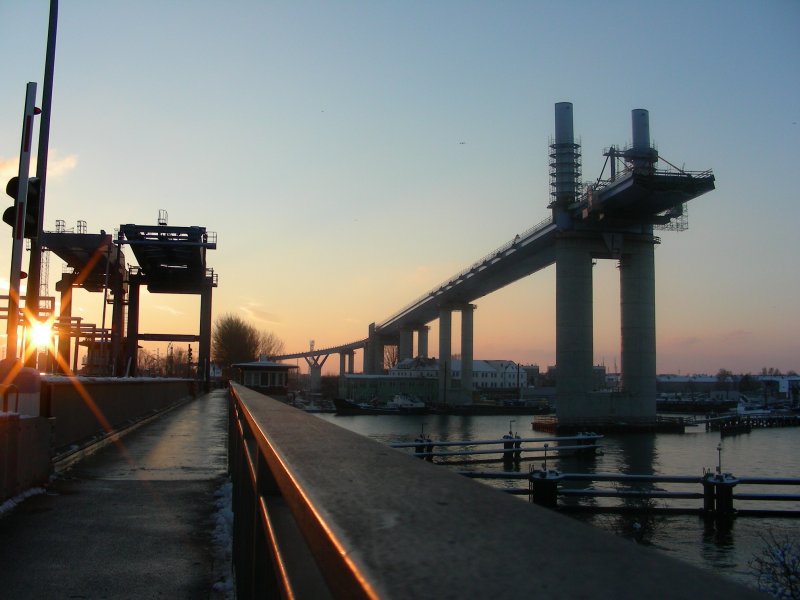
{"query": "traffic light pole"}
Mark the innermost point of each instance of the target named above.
(35, 267)
(19, 220)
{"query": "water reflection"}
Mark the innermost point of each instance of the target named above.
(765, 453)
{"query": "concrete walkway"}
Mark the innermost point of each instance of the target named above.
(134, 520)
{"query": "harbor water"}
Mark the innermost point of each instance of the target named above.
(773, 452)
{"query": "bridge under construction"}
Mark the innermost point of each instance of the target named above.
(612, 218)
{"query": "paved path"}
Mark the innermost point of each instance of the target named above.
(134, 520)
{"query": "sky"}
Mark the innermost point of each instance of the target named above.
(350, 156)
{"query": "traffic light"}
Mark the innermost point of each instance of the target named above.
(31, 208)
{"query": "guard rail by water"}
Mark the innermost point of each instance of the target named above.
(512, 447)
(323, 512)
(717, 493)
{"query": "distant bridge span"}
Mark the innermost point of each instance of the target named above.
(323, 351)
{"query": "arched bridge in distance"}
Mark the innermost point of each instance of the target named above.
(613, 218)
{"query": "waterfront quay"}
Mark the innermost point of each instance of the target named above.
(324, 512)
(318, 512)
(131, 520)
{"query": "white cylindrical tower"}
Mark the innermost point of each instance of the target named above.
(640, 126)
(565, 166)
(641, 155)
(564, 131)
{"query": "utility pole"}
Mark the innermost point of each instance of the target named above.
(21, 204)
(35, 267)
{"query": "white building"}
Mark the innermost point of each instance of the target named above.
(486, 374)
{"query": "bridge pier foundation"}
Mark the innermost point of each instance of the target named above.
(466, 352)
(574, 325)
(315, 371)
(64, 334)
(406, 346)
(422, 341)
(445, 352)
(372, 350)
(132, 341)
(638, 325)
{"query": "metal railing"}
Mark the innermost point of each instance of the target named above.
(717, 492)
(322, 512)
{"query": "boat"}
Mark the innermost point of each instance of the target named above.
(399, 405)
(408, 405)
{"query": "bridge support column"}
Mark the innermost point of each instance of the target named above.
(117, 324)
(422, 341)
(65, 313)
(638, 324)
(371, 353)
(573, 325)
(204, 346)
(342, 371)
(132, 342)
(445, 327)
(315, 371)
(467, 313)
(406, 346)
(351, 359)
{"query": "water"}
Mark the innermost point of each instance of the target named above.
(761, 453)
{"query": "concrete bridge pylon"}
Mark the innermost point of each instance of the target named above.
(315, 364)
(579, 243)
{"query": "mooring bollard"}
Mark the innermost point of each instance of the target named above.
(508, 445)
(708, 493)
(543, 485)
(420, 447)
(424, 447)
(429, 449)
(724, 484)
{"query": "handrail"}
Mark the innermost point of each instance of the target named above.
(320, 511)
(5, 389)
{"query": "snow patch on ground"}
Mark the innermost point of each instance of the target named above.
(10, 504)
(222, 542)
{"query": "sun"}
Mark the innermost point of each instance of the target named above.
(41, 333)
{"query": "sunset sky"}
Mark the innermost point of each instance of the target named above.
(352, 155)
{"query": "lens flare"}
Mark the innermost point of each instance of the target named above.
(41, 334)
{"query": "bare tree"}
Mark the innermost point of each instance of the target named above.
(269, 344)
(390, 356)
(179, 362)
(150, 363)
(777, 567)
(233, 341)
